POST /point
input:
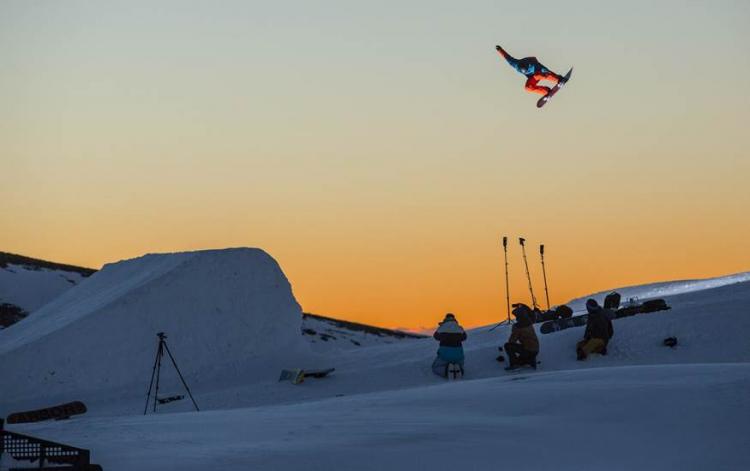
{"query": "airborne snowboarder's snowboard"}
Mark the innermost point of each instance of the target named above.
(543, 100)
(63, 411)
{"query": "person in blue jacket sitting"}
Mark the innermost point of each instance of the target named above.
(450, 335)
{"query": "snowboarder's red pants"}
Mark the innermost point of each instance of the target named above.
(533, 81)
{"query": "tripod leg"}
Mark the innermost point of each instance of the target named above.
(158, 372)
(151, 383)
(181, 378)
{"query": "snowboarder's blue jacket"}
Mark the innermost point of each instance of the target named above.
(451, 354)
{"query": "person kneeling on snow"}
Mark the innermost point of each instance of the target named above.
(523, 346)
(598, 331)
(450, 335)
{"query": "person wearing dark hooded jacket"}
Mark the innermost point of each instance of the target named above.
(522, 346)
(599, 331)
(450, 335)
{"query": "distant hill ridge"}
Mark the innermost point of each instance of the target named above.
(356, 327)
(7, 258)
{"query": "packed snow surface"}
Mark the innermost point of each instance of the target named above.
(627, 418)
(643, 406)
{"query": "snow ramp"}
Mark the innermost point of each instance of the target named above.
(225, 312)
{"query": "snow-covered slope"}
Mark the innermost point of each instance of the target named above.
(679, 417)
(28, 283)
(224, 311)
(643, 406)
(660, 290)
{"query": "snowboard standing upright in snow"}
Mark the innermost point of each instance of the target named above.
(449, 362)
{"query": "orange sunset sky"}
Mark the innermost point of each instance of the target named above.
(379, 151)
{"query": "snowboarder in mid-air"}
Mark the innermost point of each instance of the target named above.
(535, 72)
(449, 362)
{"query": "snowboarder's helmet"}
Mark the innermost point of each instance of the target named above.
(592, 305)
(449, 317)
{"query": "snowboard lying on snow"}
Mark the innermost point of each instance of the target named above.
(562, 324)
(297, 376)
(577, 321)
(63, 411)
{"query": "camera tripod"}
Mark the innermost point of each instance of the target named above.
(157, 371)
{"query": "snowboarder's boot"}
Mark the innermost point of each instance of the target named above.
(454, 371)
(532, 361)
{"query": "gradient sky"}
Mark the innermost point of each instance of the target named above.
(380, 150)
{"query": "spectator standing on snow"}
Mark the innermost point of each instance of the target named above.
(598, 331)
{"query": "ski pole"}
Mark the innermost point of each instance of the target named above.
(507, 286)
(507, 289)
(522, 241)
(544, 272)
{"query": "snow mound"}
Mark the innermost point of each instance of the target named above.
(226, 312)
(663, 289)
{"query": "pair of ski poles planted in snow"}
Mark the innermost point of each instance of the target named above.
(522, 242)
